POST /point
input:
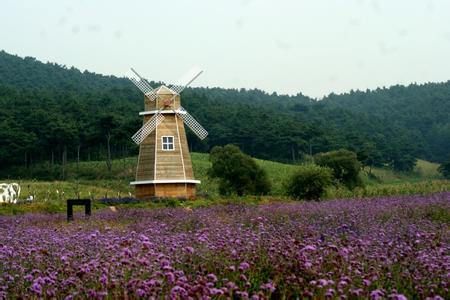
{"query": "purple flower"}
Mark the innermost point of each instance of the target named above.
(170, 277)
(140, 292)
(28, 277)
(215, 292)
(36, 288)
(376, 294)
(211, 277)
(398, 297)
(329, 249)
(178, 291)
(268, 286)
(330, 293)
(308, 248)
(104, 279)
(244, 266)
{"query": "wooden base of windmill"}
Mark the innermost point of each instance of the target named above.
(165, 190)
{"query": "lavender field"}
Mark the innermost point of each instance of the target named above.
(381, 248)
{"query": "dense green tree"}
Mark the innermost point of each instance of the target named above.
(309, 182)
(17, 144)
(53, 110)
(344, 164)
(369, 156)
(237, 172)
(404, 163)
(107, 125)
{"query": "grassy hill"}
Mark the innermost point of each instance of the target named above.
(424, 170)
(94, 174)
(92, 180)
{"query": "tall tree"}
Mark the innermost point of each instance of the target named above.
(107, 125)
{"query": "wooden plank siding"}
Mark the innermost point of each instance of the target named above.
(164, 190)
(170, 165)
(185, 149)
(146, 162)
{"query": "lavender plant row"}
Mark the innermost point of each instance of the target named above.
(383, 248)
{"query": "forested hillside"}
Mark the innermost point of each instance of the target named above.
(423, 109)
(50, 111)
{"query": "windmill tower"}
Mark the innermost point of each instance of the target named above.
(164, 166)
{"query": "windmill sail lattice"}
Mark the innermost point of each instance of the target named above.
(142, 84)
(186, 79)
(148, 127)
(192, 123)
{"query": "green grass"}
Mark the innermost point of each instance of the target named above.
(424, 170)
(92, 180)
(390, 189)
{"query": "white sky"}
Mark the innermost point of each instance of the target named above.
(314, 47)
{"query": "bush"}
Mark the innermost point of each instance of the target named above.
(309, 182)
(237, 172)
(445, 169)
(344, 164)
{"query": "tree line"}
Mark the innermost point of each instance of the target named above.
(54, 113)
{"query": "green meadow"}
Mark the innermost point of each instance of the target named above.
(92, 180)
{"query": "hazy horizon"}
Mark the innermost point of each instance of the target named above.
(288, 47)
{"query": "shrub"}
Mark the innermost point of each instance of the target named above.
(309, 182)
(237, 172)
(344, 164)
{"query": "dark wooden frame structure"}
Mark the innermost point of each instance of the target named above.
(83, 202)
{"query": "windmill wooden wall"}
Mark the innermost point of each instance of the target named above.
(165, 190)
(156, 164)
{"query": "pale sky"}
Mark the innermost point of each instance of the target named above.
(288, 46)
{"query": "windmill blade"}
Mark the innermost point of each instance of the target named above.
(141, 84)
(147, 128)
(186, 80)
(192, 123)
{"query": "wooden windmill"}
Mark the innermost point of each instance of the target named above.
(164, 166)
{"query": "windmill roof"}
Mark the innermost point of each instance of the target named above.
(164, 90)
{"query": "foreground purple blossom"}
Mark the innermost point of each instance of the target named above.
(384, 248)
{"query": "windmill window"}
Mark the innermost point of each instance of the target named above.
(167, 143)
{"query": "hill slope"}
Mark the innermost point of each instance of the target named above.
(423, 109)
(48, 110)
(93, 180)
